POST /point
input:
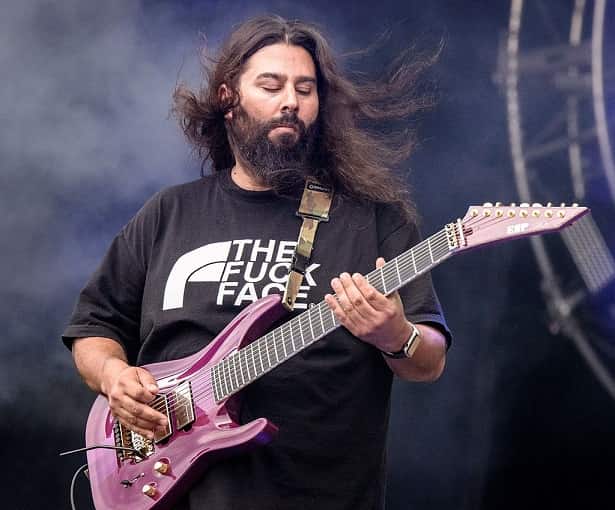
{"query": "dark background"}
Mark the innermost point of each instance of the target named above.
(517, 421)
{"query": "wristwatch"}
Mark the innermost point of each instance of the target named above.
(407, 350)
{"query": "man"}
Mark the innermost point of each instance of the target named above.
(274, 110)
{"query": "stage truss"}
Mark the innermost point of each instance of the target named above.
(559, 87)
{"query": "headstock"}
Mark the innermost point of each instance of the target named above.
(490, 223)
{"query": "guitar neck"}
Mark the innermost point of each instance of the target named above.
(264, 354)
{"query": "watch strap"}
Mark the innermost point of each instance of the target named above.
(410, 345)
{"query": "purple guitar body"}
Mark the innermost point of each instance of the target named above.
(118, 482)
(200, 394)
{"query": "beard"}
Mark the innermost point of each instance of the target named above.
(283, 163)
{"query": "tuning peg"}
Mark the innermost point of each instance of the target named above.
(487, 204)
(498, 204)
(575, 204)
(536, 204)
(563, 204)
(549, 204)
(512, 204)
(524, 204)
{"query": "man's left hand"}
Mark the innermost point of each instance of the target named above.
(367, 313)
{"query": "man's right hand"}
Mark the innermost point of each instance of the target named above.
(129, 390)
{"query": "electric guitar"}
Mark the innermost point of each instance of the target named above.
(200, 394)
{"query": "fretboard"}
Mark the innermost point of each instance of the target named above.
(264, 354)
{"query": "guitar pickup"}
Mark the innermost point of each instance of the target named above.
(183, 406)
(161, 404)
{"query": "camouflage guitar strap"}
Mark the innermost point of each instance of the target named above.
(314, 208)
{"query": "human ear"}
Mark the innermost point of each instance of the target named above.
(224, 96)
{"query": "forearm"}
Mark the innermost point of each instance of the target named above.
(427, 362)
(98, 360)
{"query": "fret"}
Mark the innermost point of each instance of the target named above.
(247, 359)
(397, 269)
(214, 382)
(218, 383)
(260, 355)
(221, 375)
(312, 314)
(443, 243)
(422, 260)
(292, 338)
(225, 380)
(275, 347)
(234, 370)
(333, 319)
(322, 323)
(267, 350)
(229, 375)
(430, 252)
(310, 323)
(240, 354)
(244, 362)
(283, 342)
(253, 361)
(288, 338)
(389, 276)
(405, 268)
(413, 261)
(384, 284)
(301, 331)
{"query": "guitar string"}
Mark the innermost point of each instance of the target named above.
(201, 379)
(271, 342)
(429, 246)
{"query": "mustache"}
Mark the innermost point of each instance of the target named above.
(287, 120)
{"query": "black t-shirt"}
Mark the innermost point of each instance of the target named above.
(189, 261)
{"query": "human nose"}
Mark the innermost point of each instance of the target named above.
(289, 99)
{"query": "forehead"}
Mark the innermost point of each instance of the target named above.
(283, 59)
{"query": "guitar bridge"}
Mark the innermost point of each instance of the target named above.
(128, 441)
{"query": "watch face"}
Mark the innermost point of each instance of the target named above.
(413, 342)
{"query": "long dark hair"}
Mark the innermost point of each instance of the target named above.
(359, 162)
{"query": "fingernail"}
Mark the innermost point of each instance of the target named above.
(152, 387)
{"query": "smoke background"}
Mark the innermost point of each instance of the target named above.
(517, 420)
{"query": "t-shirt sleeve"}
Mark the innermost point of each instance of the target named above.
(110, 303)
(420, 300)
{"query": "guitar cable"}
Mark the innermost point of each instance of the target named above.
(72, 485)
(85, 466)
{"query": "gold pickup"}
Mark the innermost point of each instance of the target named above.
(183, 406)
